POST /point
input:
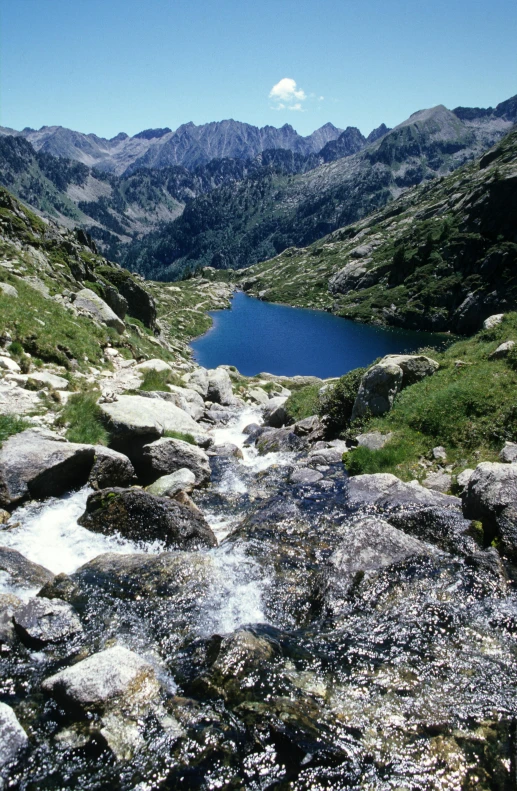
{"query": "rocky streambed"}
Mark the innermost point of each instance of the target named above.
(282, 627)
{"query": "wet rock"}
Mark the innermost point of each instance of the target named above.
(39, 464)
(13, 739)
(198, 381)
(310, 427)
(9, 365)
(115, 675)
(153, 365)
(509, 453)
(444, 527)
(281, 439)
(218, 414)
(110, 468)
(23, 573)
(438, 481)
(88, 301)
(9, 605)
(381, 383)
(226, 450)
(220, 387)
(167, 455)
(387, 491)
(43, 621)
(141, 516)
(374, 440)
(332, 454)
(493, 321)
(502, 351)
(275, 414)
(491, 497)
(183, 480)
(305, 476)
(132, 416)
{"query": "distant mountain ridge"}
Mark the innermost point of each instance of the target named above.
(188, 146)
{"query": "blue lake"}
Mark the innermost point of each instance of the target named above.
(257, 336)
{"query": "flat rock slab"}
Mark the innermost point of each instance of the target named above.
(136, 415)
(42, 621)
(98, 681)
(141, 516)
(43, 379)
(387, 491)
(153, 365)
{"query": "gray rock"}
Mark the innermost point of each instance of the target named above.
(463, 479)
(113, 675)
(8, 291)
(438, 481)
(439, 453)
(275, 414)
(493, 321)
(183, 480)
(167, 455)
(43, 621)
(23, 573)
(13, 739)
(42, 379)
(509, 453)
(329, 454)
(36, 464)
(258, 396)
(374, 440)
(354, 275)
(281, 439)
(226, 450)
(502, 351)
(305, 475)
(88, 301)
(198, 381)
(383, 381)
(387, 491)
(414, 366)
(9, 605)
(141, 516)
(188, 400)
(131, 416)
(7, 364)
(308, 426)
(218, 414)
(153, 365)
(491, 497)
(110, 468)
(220, 387)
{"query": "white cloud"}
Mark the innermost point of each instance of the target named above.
(286, 95)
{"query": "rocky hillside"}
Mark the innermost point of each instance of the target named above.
(440, 257)
(237, 226)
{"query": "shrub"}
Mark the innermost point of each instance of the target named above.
(84, 417)
(9, 425)
(303, 403)
(338, 400)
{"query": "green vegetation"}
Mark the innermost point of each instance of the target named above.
(303, 403)
(338, 400)
(83, 417)
(158, 380)
(9, 425)
(180, 435)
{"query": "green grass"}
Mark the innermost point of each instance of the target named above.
(397, 456)
(83, 415)
(303, 402)
(158, 380)
(9, 425)
(180, 435)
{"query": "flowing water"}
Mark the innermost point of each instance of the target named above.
(257, 336)
(277, 671)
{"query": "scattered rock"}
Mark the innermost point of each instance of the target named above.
(509, 453)
(13, 739)
(502, 351)
(183, 480)
(111, 676)
(141, 516)
(305, 475)
(220, 387)
(198, 381)
(153, 365)
(387, 491)
(258, 396)
(226, 450)
(330, 453)
(9, 365)
(275, 414)
(110, 468)
(7, 290)
(89, 301)
(439, 453)
(493, 321)
(23, 573)
(132, 416)
(43, 379)
(43, 621)
(438, 481)
(167, 455)
(374, 440)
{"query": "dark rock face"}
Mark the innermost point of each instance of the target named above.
(491, 497)
(167, 455)
(43, 621)
(110, 468)
(22, 572)
(140, 303)
(140, 516)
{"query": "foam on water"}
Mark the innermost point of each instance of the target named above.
(49, 535)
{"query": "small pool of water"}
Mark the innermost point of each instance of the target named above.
(258, 336)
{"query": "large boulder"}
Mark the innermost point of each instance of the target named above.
(491, 498)
(42, 621)
(275, 414)
(88, 301)
(383, 381)
(22, 573)
(39, 464)
(280, 439)
(384, 490)
(141, 516)
(187, 399)
(157, 365)
(182, 480)
(198, 381)
(167, 455)
(132, 416)
(13, 739)
(220, 387)
(110, 468)
(102, 679)
(354, 275)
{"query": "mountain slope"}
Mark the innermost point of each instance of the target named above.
(443, 256)
(260, 217)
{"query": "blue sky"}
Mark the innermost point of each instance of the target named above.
(107, 66)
